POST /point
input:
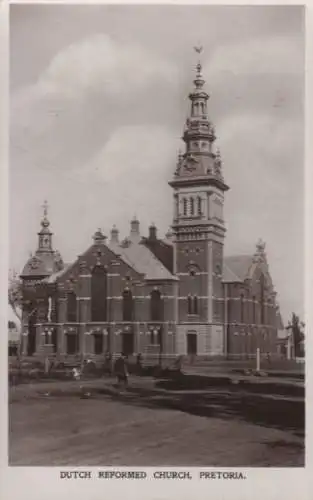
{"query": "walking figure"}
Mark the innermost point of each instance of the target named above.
(121, 372)
(76, 373)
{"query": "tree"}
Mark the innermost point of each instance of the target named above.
(296, 327)
(15, 295)
(15, 298)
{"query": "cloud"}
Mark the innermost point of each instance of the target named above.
(100, 64)
(133, 151)
(88, 89)
(132, 170)
(258, 56)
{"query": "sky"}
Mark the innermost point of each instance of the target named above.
(98, 100)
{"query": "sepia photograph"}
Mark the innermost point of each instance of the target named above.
(156, 248)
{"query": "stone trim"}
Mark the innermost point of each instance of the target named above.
(196, 273)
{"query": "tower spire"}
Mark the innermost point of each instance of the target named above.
(45, 234)
(199, 159)
(45, 221)
(198, 81)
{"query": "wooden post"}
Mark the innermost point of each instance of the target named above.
(289, 348)
(258, 359)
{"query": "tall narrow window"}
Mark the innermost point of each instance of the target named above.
(262, 305)
(185, 206)
(192, 206)
(195, 305)
(71, 307)
(189, 299)
(192, 304)
(242, 305)
(199, 206)
(99, 294)
(253, 310)
(128, 306)
(156, 306)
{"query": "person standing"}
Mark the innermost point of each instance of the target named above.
(121, 371)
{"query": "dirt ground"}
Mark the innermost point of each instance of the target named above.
(140, 428)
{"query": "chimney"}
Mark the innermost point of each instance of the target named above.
(114, 235)
(134, 231)
(152, 233)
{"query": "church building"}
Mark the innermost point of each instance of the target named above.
(177, 295)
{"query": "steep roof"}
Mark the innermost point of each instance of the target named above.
(236, 268)
(162, 250)
(42, 264)
(137, 256)
(140, 258)
(53, 277)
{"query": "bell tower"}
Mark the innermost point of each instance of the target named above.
(199, 230)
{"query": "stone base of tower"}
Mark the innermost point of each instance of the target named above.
(200, 340)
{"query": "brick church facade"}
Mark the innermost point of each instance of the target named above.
(177, 295)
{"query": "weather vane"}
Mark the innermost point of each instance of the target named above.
(198, 49)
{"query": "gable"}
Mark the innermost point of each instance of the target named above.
(236, 268)
(97, 254)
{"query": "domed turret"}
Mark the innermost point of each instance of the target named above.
(45, 261)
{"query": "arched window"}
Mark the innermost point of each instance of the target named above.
(195, 305)
(199, 205)
(189, 299)
(71, 307)
(192, 304)
(185, 206)
(253, 310)
(262, 305)
(192, 206)
(196, 108)
(156, 306)
(242, 305)
(128, 305)
(99, 294)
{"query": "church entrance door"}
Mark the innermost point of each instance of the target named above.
(192, 344)
(127, 343)
(98, 343)
(71, 343)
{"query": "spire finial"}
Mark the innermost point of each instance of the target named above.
(45, 207)
(45, 222)
(260, 246)
(198, 80)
